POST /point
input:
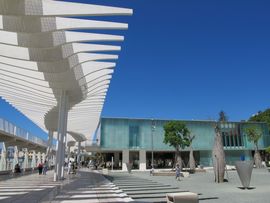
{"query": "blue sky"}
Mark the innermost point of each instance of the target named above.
(189, 59)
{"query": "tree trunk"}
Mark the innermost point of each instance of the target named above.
(218, 156)
(178, 159)
(257, 157)
(191, 160)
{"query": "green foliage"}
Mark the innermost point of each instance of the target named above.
(99, 159)
(267, 150)
(222, 117)
(177, 134)
(253, 134)
(262, 117)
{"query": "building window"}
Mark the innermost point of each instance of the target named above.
(231, 135)
(134, 137)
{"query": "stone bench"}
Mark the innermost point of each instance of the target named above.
(5, 172)
(105, 171)
(182, 197)
(200, 170)
(28, 169)
(170, 173)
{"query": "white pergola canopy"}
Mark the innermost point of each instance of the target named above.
(40, 57)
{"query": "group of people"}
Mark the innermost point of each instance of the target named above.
(42, 168)
(161, 163)
(72, 166)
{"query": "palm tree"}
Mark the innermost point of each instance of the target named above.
(254, 134)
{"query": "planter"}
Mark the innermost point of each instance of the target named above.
(244, 170)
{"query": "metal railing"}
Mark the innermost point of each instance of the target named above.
(12, 129)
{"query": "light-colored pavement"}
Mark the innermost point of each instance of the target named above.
(85, 186)
(28, 188)
(91, 187)
(210, 192)
(142, 189)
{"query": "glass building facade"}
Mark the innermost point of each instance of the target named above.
(137, 136)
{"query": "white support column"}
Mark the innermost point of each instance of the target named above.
(43, 156)
(3, 161)
(125, 159)
(142, 160)
(25, 162)
(53, 160)
(49, 148)
(15, 158)
(34, 161)
(61, 137)
(79, 153)
(64, 134)
(64, 137)
(39, 161)
(57, 166)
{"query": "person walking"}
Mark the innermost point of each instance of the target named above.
(177, 172)
(69, 167)
(17, 168)
(40, 168)
(74, 167)
(45, 168)
(152, 171)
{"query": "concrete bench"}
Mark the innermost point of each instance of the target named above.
(182, 197)
(182, 174)
(5, 172)
(105, 171)
(28, 169)
(200, 170)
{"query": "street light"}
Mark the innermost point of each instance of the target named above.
(153, 127)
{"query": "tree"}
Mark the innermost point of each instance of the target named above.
(222, 117)
(218, 156)
(267, 150)
(254, 134)
(177, 135)
(262, 117)
(99, 159)
(192, 165)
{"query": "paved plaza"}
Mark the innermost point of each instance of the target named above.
(85, 186)
(91, 186)
(203, 184)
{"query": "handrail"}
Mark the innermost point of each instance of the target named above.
(12, 129)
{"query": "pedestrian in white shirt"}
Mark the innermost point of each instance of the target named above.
(69, 167)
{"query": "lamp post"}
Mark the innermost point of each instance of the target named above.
(153, 127)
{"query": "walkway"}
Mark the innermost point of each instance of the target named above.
(203, 184)
(83, 187)
(28, 188)
(142, 189)
(90, 187)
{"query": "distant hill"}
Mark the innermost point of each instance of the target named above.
(262, 116)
